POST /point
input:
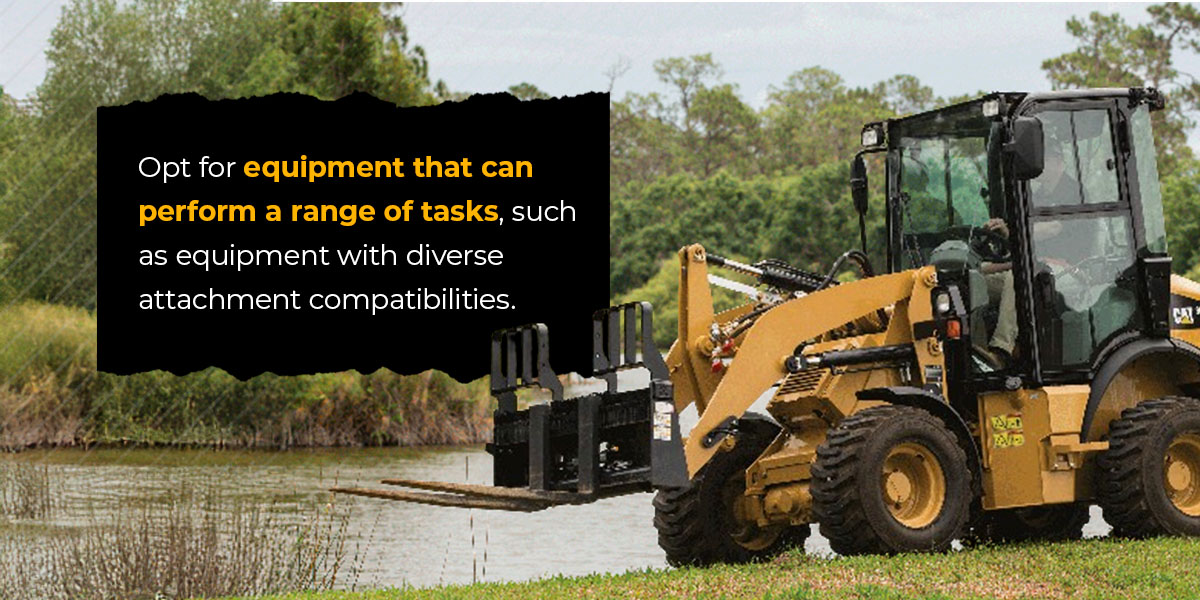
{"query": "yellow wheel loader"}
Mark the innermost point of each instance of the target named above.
(1023, 354)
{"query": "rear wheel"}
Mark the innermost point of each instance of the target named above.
(1150, 475)
(891, 479)
(701, 524)
(1053, 523)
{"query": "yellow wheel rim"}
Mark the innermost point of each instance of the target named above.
(913, 485)
(1181, 473)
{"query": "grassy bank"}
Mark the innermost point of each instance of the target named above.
(52, 395)
(1108, 568)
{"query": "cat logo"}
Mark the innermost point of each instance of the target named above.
(1185, 312)
(1184, 315)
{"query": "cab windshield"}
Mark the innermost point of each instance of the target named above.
(947, 166)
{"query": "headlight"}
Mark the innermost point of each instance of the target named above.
(870, 137)
(941, 303)
(991, 107)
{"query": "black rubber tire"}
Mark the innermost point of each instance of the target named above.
(847, 496)
(695, 527)
(1049, 523)
(1131, 489)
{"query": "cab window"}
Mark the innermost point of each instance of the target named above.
(1085, 276)
(1080, 166)
(1148, 186)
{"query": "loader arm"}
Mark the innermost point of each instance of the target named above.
(774, 336)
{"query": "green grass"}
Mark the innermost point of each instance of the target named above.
(1093, 569)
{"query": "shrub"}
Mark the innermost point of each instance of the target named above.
(51, 393)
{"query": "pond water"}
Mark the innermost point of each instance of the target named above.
(401, 544)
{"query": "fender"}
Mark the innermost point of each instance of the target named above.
(1118, 359)
(933, 404)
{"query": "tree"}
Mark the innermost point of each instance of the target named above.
(643, 144)
(106, 53)
(1181, 205)
(702, 126)
(616, 70)
(650, 224)
(905, 95)
(696, 164)
(723, 131)
(527, 91)
(698, 126)
(814, 118)
(813, 220)
(1112, 53)
(687, 77)
(14, 126)
(339, 48)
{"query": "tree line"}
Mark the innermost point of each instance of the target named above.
(104, 52)
(694, 162)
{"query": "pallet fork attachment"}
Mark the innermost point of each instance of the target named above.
(573, 450)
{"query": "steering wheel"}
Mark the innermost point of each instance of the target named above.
(1080, 270)
(991, 246)
(1072, 281)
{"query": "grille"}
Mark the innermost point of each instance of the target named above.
(803, 382)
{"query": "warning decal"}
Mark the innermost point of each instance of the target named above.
(1008, 431)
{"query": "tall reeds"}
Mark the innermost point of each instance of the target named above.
(52, 395)
(26, 491)
(190, 542)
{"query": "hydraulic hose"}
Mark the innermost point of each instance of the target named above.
(863, 262)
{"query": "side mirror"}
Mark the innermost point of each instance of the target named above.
(858, 184)
(1027, 148)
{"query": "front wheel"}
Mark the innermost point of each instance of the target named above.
(891, 479)
(701, 523)
(1150, 474)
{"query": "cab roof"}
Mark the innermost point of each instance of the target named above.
(1020, 99)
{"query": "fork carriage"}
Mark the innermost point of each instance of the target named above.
(570, 450)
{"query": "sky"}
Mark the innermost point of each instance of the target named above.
(566, 48)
